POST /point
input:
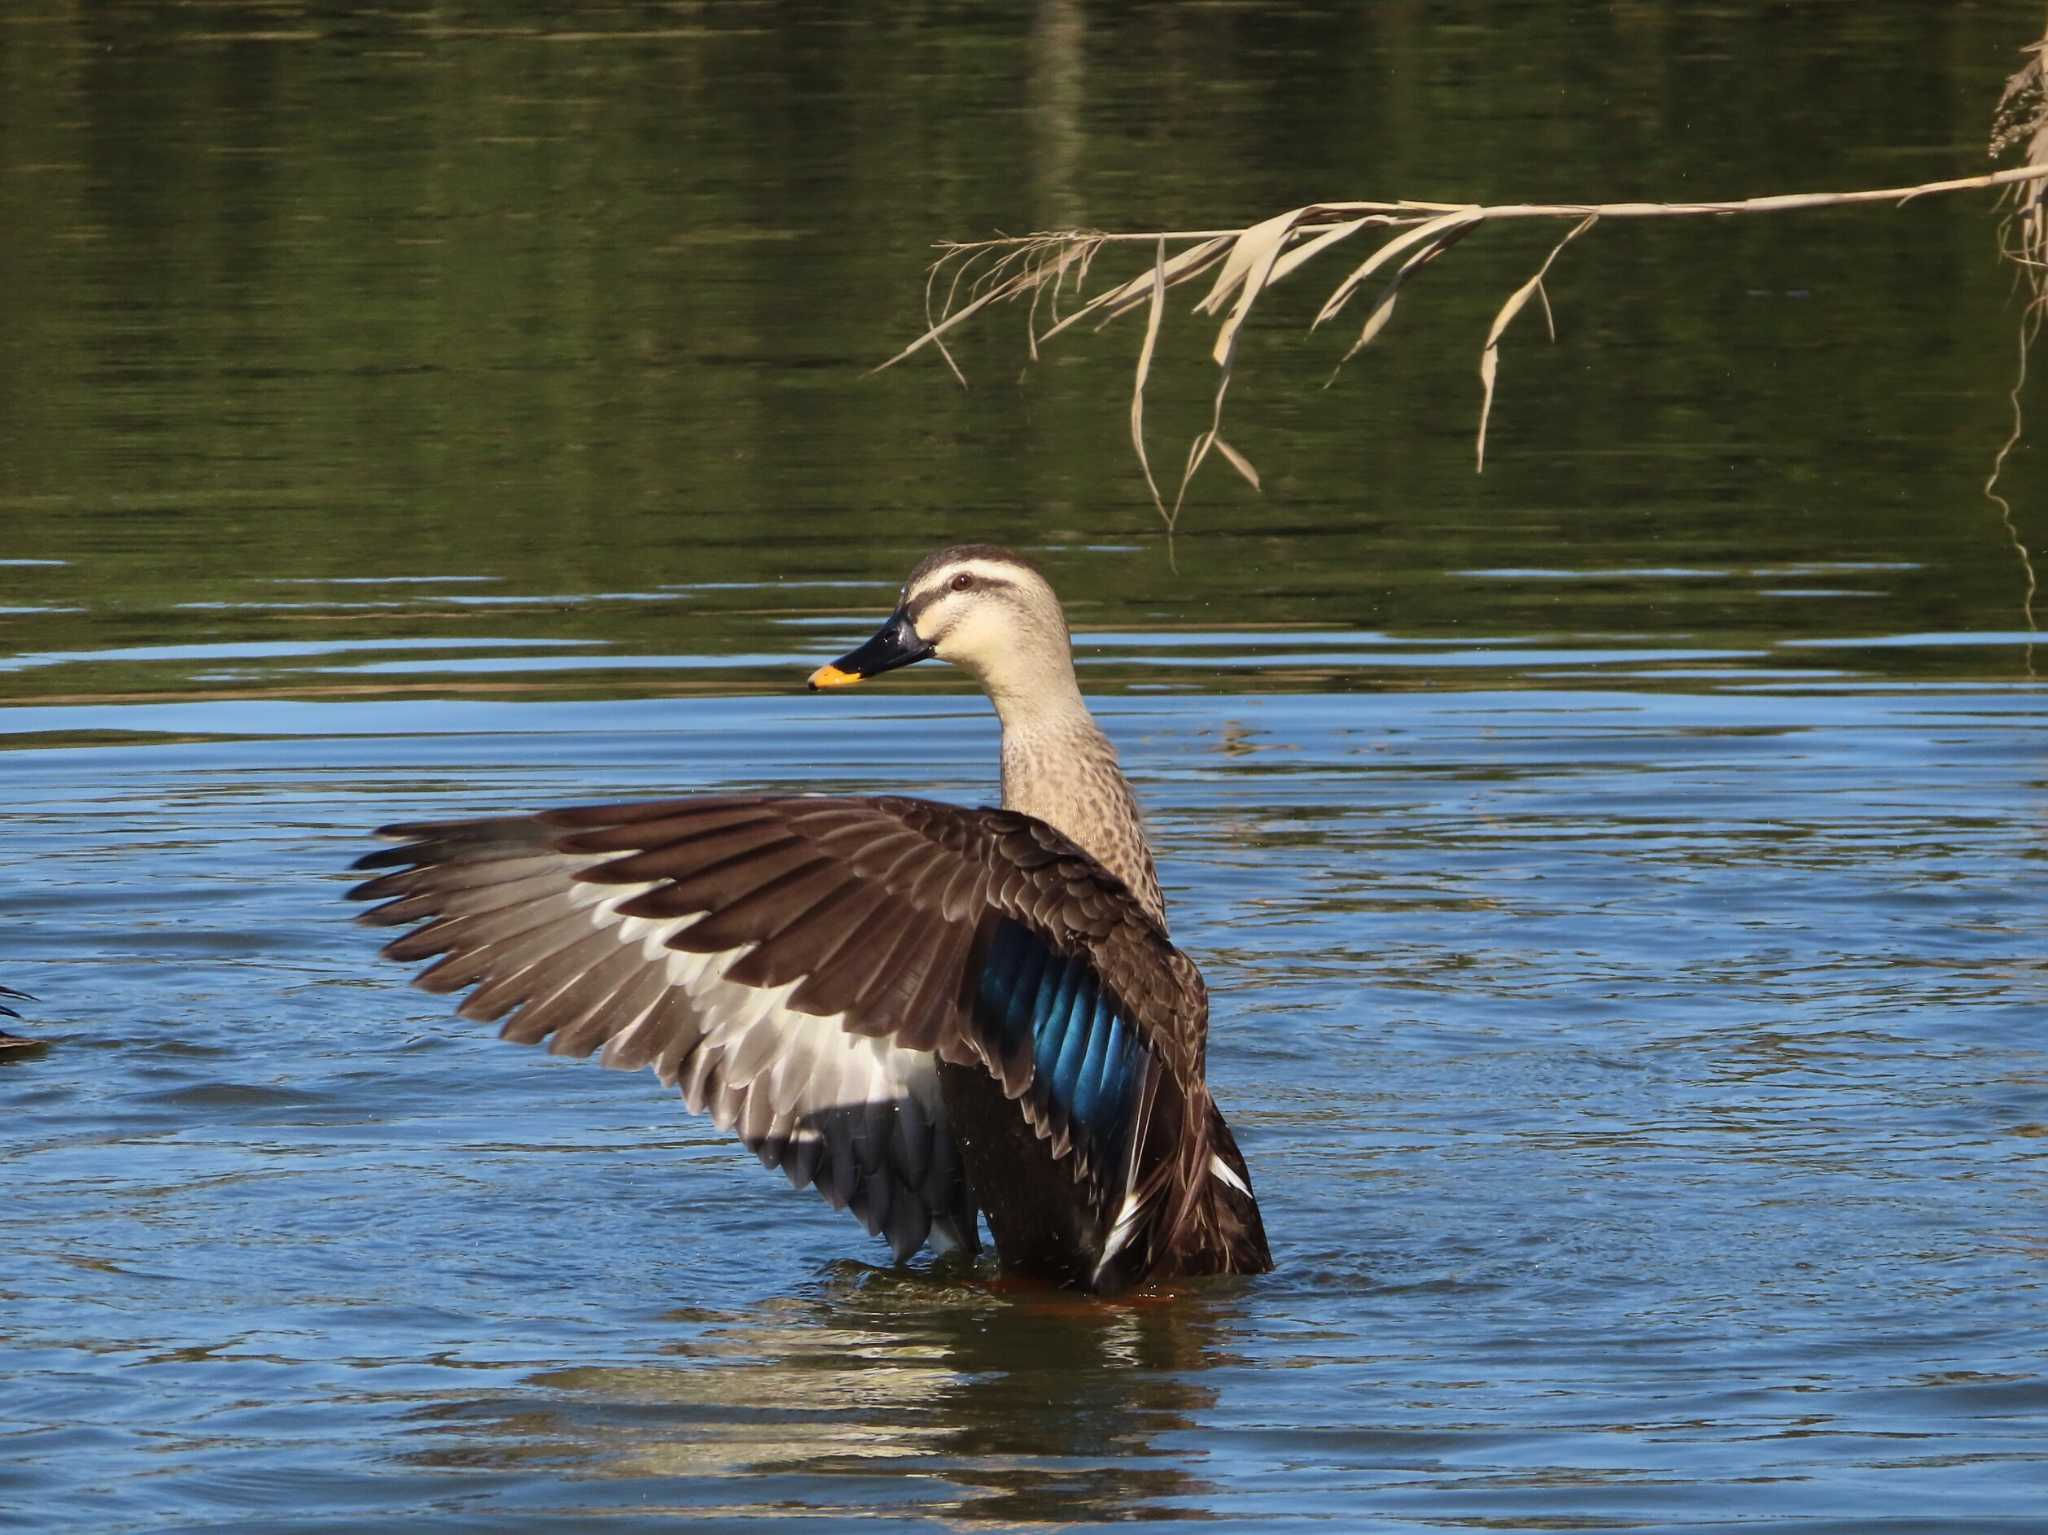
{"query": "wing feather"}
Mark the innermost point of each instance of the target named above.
(798, 968)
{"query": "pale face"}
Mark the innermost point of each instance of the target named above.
(980, 608)
(980, 613)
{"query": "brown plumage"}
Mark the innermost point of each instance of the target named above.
(916, 1008)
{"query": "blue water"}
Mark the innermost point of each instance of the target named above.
(1618, 875)
(1646, 1088)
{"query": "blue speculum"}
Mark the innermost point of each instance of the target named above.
(1083, 1046)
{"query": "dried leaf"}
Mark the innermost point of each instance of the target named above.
(1489, 366)
(1031, 316)
(1210, 256)
(1126, 297)
(1435, 229)
(1087, 261)
(1237, 461)
(1249, 290)
(1313, 247)
(931, 278)
(1261, 240)
(1199, 448)
(1144, 370)
(1197, 451)
(1382, 309)
(1375, 322)
(1259, 254)
(932, 336)
(1489, 356)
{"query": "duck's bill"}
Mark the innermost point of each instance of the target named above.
(894, 644)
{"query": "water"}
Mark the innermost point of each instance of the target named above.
(1618, 876)
(1645, 1090)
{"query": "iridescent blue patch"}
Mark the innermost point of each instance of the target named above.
(1083, 1046)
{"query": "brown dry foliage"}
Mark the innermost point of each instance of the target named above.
(1244, 264)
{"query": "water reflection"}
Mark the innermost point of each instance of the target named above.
(1618, 873)
(1026, 1407)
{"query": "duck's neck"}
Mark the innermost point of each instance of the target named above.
(1060, 767)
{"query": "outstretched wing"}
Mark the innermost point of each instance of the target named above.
(798, 966)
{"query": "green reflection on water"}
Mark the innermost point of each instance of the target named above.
(585, 307)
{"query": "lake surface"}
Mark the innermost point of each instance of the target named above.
(1619, 875)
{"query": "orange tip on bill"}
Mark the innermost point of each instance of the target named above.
(833, 677)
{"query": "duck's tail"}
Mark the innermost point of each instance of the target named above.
(1226, 1210)
(1189, 1209)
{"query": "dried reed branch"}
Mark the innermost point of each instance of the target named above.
(1248, 262)
(2022, 117)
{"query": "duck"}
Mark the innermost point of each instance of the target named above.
(930, 1014)
(13, 1041)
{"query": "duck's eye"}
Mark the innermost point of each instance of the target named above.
(962, 582)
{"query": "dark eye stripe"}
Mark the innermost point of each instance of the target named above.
(928, 594)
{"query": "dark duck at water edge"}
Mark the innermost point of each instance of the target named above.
(13, 1041)
(921, 1010)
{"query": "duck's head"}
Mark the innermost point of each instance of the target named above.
(985, 609)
